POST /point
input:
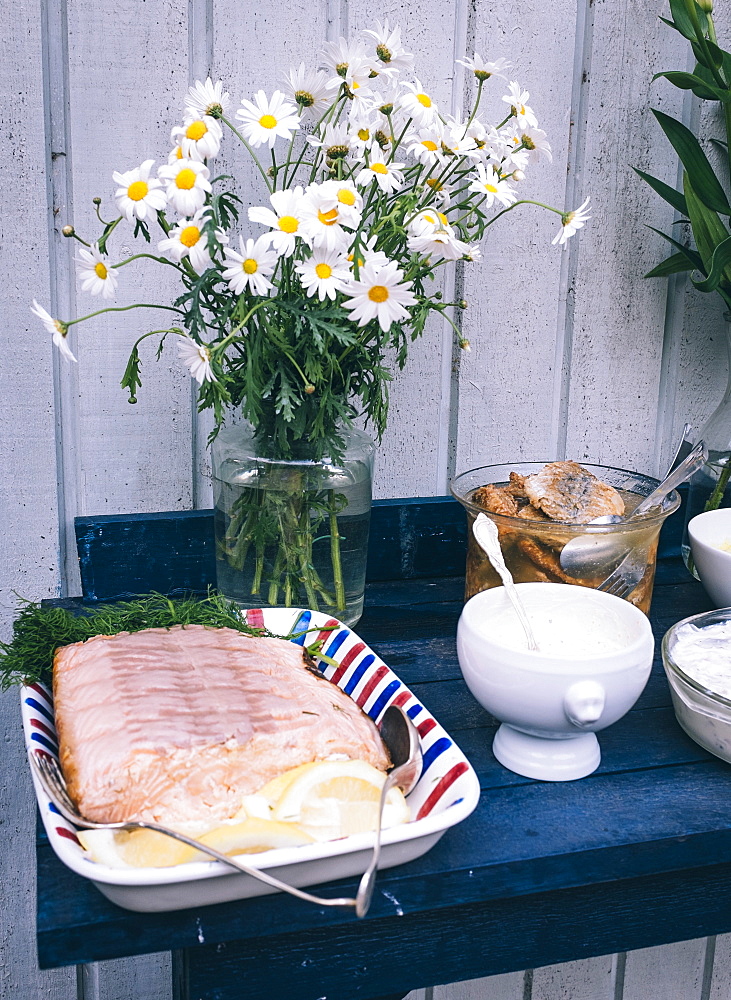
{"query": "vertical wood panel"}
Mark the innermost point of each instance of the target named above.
(673, 971)
(29, 561)
(128, 75)
(505, 389)
(618, 317)
(507, 987)
(589, 979)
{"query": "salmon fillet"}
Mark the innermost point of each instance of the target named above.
(568, 492)
(177, 725)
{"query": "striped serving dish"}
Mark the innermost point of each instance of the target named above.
(446, 793)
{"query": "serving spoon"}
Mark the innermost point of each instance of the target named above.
(397, 732)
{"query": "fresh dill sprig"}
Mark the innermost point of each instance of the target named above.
(39, 631)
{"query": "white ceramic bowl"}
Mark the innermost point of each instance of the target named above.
(596, 658)
(708, 531)
(704, 714)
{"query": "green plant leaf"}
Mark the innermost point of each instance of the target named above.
(717, 271)
(682, 19)
(692, 256)
(675, 198)
(674, 264)
(705, 183)
(689, 81)
(708, 230)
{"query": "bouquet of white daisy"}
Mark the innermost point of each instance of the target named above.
(296, 320)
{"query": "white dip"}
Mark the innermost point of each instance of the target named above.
(705, 655)
(562, 629)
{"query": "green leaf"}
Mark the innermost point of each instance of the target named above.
(717, 271)
(683, 22)
(675, 198)
(674, 264)
(708, 229)
(705, 183)
(702, 89)
(131, 379)
(692, 256)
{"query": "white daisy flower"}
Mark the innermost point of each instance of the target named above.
(252, 267)
(490, 184)
(391, 53)
(199, 138)
(321, 218)
(426, 144)
(517, 99)
(139, 196)
(571, 222)
(534, 143)
(367, 254)
(379, 294)
(430, 233)
(206, 99)
(335, 141)
(187, 185)
(440, 193)
(308, 89)
(388, 176)
(418, 105)
(348, 201)
(484, 70)
(285, 221)
(188, 239)
(55, 327)
(362, 128)
(459, 138)
(266, 119)
(337, 56)
(325, 273)
(94, 275)
(196, 357)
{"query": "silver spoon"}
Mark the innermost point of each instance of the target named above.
(485, 532)
(401, 737)
(595, 555)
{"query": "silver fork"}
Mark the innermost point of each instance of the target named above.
(48, 772)
(624, 578)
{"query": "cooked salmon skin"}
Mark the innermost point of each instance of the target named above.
(177, 725)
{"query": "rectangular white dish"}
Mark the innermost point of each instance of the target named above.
(446, 793)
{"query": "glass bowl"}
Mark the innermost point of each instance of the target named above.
(532, 549)
(702, 713)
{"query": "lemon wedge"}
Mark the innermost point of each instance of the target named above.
(333, 799)
(150, 849)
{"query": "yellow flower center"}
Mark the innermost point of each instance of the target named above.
(355, 85)
(250, 266)
(100, 270)
(190, 236)
(351, 258)
(424, 100)
(185, 179)
(179, 152)
(379, 168)
(434, 184)
(346, 196)
(491, 188)
(328, 218)
(137, 190)
(379, 293)
(522, 109)
(288, 224)
(323, 270)
(364, 134)
(443, 218)
(268, 121)
(428, 144)
(196, 130)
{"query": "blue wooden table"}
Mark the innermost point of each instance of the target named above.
(637, 854)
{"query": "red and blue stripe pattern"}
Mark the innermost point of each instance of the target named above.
(374, 686)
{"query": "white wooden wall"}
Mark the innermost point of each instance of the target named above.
(573, 354)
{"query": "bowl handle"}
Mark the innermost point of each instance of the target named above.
(583, 703)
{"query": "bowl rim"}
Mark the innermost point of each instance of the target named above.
(672, 668)
(672, 502)
(695, 521)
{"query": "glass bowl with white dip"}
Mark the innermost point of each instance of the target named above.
(696, 653)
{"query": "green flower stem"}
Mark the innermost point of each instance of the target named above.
(250, 151)
(150, 256)
(524, 201)
(690, 6)
(121, 309)
(478, 98)
(714, 501)
(335, 553)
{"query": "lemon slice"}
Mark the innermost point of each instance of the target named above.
(333, 799)
(254, 835)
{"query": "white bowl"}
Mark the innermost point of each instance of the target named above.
(708, 531)
(595, 661)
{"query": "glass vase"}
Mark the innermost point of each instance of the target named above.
(292, 533)
(709, 488)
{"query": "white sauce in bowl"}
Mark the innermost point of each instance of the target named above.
(705, 655)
